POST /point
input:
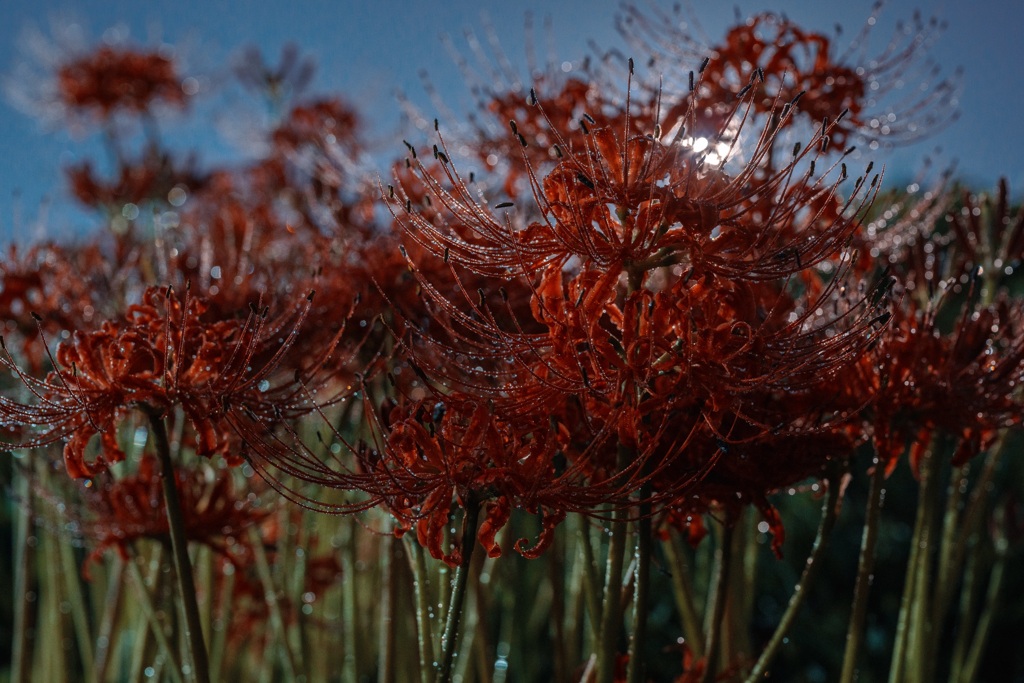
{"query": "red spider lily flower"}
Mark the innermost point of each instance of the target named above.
(794, 63)
(120, 511)
(964, 383)
(669, 340)
(152, 178)
(63, 286)
(113, 80)
(163, 353)
(987, 232)
(637, 204)
(456, 451)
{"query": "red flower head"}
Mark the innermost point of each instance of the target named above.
(120, 511)
(113, 80)
(796, 64)
(165, 353)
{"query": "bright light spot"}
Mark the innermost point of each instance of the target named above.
(566, 67)
(177, 195)
(700, 144)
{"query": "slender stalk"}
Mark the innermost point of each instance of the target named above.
(865, 565)
(79, 614)
(111, 606)
(389, 596)
(277, 622)
(644, 548)
(222, 622)
(611, 614)
(590, 575)
(682, 587)
(716, 610)
(984, 626)
(829, 513)
(557, 578)
(352, 615)
(449, 640)
(912, 589)
(968, 599)
(149, 612)
(421, 588)
(921, 623)
(24, 553)
(179, 549)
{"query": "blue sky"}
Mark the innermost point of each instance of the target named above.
(367, 51)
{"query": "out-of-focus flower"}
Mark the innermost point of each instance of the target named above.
(67, 79)
(117, 512)
(112, 80)
(964, 383)
(797, 64)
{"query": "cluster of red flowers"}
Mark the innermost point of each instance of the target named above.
(657, 311)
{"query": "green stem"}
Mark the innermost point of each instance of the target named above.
(829, 513)
(865, 566)
(644, 547)
(149, 612)
(179, 549)
(421, 587)
(716, 610)
(968, 597)
(111, 606)
(590, 575)
(449, 640)
(611, 614)
(79, 616)
(917, 564)
(922, 622)
(24, 552)
(222, 622)
(682, 586)
(270, 591)
(351, 611)
(386, 633)
(984, 626)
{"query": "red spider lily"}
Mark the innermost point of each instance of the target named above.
(165, 352)
(68, 288)
(110, 80)
(793, 63)
(986, 223)
(963, 384)
(120, 511)
(663, 340)
(638, 204)
(454, 450)
(151, 179)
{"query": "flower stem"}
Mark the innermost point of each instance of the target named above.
(179, 550)
(611, 614)
(913, 587)
(644, 547)
(424, 632)
(829, 513)
(716, 610)
(984, 626)
(865, 565)
(682, 586)
(24, 553)
(449, 640)
(149, 613)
